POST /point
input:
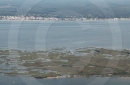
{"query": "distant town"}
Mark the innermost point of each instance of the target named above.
(53, 18)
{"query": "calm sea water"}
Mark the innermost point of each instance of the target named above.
(28, 35)
(41, 35)
(6, 80)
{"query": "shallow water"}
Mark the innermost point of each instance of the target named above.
(19, 80)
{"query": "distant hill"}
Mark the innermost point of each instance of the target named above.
(66, 8)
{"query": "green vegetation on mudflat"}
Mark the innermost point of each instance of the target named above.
(52, 63)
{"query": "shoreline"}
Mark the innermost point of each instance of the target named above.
(113, 19)
(64, 48)
(59, 77)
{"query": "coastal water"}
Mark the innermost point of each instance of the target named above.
(38, 35)
(6, 80)
(42, 35)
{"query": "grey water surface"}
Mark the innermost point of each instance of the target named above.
(34, 35)
(41, 35)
